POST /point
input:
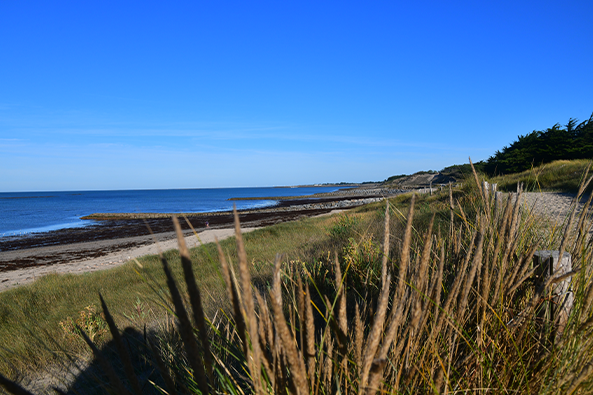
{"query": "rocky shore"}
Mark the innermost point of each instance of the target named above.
(294, 206)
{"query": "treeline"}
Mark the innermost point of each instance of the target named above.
(573, 141)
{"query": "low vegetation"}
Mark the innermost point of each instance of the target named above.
(557, 176)
(426, 294)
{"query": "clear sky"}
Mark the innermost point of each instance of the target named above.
(196, 94)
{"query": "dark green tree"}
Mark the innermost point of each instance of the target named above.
(573, 141)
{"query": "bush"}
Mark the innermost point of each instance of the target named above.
(343, 228)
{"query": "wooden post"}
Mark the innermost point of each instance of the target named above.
(497, 201)
(558, 299)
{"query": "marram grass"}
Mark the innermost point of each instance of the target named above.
(431, 310)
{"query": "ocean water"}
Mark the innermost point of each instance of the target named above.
(31, 212)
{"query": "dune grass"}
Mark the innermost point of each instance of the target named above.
(455, 313)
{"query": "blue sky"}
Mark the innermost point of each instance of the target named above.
(130, 94)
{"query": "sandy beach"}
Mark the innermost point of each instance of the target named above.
(112, 243)
(109, 243)
(87, 263)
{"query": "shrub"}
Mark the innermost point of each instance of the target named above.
(343, 228)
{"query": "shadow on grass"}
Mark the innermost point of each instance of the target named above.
(95, 380)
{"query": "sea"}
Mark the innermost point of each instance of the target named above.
(23, 213)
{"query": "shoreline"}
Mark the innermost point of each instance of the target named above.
(119, 238)
(111, 242)
(108, 226)
(88, 262)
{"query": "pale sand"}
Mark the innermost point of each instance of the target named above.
(554, 206)
(13, 278)
(72, 264)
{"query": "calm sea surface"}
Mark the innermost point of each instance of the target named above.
(28, 212)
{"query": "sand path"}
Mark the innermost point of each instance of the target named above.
(554, 206)
(13, 278)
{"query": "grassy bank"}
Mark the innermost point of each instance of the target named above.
(34, 316)
(558, 176)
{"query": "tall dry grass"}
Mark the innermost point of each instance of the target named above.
(454, 312)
